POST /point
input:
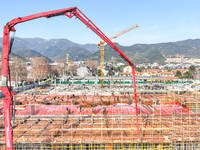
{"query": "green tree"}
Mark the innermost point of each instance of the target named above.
(111, 73)
(142, 68)
(192, 68)
(178, 73)
(148, 67)
(119, 68)
(98, 72)
(188, 75)
(138, 69)
(113, 68)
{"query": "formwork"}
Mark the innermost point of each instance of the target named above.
(64, 122)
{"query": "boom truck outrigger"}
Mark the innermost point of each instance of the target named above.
(5, 74)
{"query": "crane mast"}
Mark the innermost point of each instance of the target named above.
(5, 73)
(67, 56)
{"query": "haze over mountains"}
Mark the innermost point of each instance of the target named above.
(138, 53)
(53, 49)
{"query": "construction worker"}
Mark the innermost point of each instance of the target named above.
(104, 111)
(93, 111)
(183, 104)
(140, 99)
(80, 108)
(118, 98)
(67, 110)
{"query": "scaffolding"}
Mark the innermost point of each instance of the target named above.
(166, 121)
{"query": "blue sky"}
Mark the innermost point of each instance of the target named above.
(159, 20)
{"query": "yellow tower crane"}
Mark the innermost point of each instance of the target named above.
(67, 59)
(66, 65)
(102, 42)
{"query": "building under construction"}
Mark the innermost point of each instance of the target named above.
(166, 121)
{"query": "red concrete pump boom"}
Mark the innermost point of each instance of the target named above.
(5, 74)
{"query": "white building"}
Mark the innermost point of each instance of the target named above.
(83, 71)
(127, 69)
(120, 64)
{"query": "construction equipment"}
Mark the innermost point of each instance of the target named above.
(67, 56)
(102, 42)
(5, 74)
(66, 65)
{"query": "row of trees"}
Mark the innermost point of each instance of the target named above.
(39, 68)
(188, 74)
(19, 69)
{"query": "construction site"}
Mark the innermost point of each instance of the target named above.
(106, 113)
(104, 121)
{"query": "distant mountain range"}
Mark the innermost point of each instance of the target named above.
(27, 53)
(53, 49)
(138, 53)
